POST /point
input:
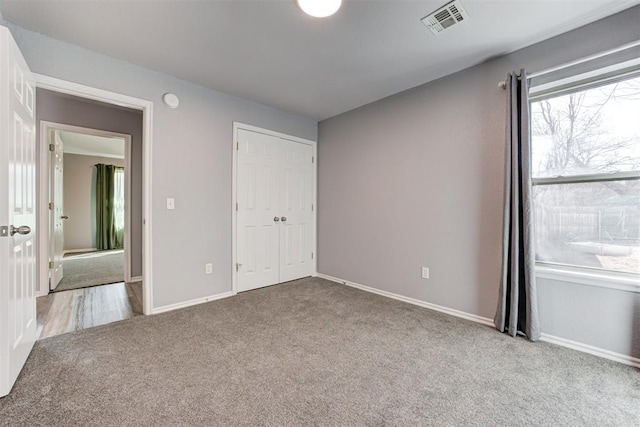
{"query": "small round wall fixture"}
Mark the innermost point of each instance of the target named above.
(319, 8)
(170, 100)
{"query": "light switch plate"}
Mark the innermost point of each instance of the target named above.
(425, 272)
(208, 268)
(171, 203)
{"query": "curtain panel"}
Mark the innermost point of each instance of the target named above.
(109, 231)
(517, 311)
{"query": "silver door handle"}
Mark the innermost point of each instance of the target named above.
(64, 217)
(284, 219)
(276, 219)
(23, 229)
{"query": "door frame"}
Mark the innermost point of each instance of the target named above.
(45, 128)
(234, 195)
(88, 92)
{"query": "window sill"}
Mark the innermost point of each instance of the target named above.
(610, 280)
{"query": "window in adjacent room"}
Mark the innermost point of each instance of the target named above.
(586, 175)
(118, 199)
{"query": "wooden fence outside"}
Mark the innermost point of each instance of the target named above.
(616, 224)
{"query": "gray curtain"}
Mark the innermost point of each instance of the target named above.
(518, 305)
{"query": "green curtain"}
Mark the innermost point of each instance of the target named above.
(108, 235)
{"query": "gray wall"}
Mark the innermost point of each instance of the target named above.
(70, 110)
(80, 200)
(600, 317)
(416, 179)
(191, 160)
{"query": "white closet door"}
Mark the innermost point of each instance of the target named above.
(257, 196)
(296, 192)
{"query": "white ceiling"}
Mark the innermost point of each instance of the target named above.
(268, 51)
(91, 145)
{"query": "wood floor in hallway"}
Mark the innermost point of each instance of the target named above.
(68, 311)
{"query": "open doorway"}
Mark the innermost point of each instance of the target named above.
(91, 186)
(89, 224)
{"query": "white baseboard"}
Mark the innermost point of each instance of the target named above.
(446, 310)
(136, 279)
(73, 251)
(596, 351)
(574, 345)
(196, 301)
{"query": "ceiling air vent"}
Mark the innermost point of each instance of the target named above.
(443, 18)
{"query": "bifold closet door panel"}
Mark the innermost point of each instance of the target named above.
(296, 198)
(258, 194)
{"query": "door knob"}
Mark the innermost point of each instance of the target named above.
(23, 229)
(64, 217)
(276, 219)
(284, 219)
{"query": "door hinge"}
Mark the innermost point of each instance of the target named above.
(52, 147)
(311, 207)
(236, 206)
(50, 264)
(50, 206)
(311, 255)
(238, 265)
(237, 145)
(313, 159)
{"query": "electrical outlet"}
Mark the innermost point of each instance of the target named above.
(208, 268)
(171, 203)
(425, 272)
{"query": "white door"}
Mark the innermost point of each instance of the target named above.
(274, 212)
(258, 211)
(17, 212)
(295, 206)
(57, 213)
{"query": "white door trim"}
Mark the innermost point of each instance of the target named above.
(70, 88)
(45, 127)
(234, 196)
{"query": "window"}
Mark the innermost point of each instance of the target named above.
(118, 199)
(586, 176)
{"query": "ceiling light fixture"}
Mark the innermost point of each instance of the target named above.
(319, 8)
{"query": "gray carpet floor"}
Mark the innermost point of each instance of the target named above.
(312, 352)
(92, 269)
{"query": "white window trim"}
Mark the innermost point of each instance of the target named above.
(591, 178)
(585, 80)
(627, 282)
